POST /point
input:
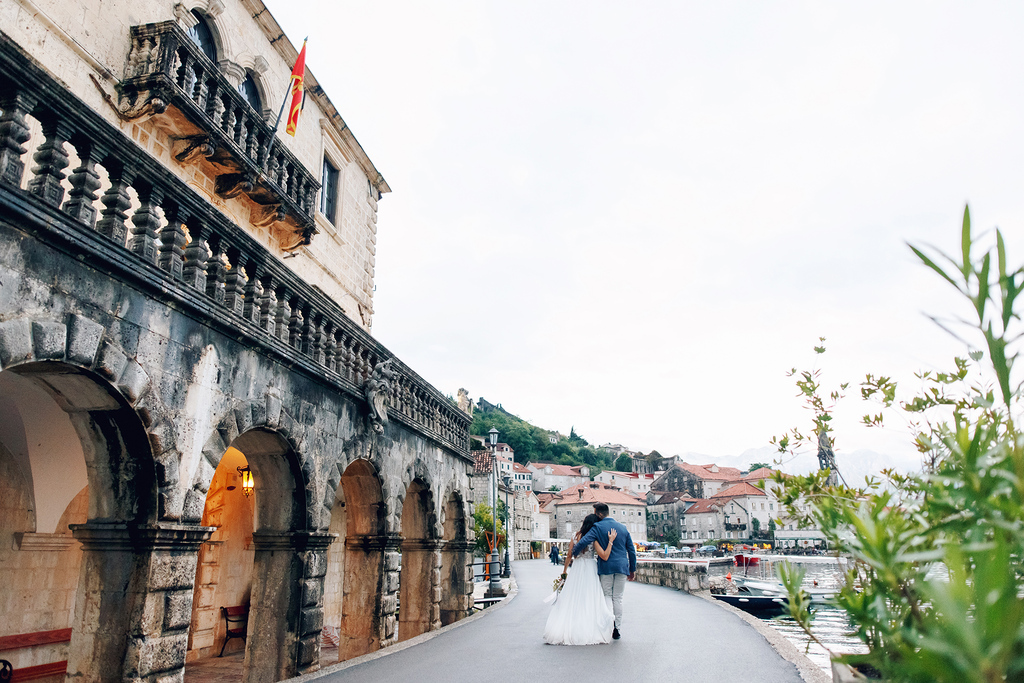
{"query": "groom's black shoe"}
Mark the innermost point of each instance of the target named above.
(615, 633)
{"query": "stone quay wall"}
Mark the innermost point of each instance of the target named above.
(684, 576)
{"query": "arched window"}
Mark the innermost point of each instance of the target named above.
(250, 92)
(202, 36)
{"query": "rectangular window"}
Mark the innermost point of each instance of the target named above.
(329, 192)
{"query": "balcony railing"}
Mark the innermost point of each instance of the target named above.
(735, 527)
(193, 256)
(165, 68)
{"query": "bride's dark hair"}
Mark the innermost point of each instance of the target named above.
(588, 521)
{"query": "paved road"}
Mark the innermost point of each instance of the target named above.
(666, 636)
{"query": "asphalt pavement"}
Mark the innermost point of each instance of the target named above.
(667, 635)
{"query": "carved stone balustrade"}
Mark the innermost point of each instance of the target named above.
(179, 248)
(169, 77)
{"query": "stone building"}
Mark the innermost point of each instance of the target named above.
(745, 504)
(635, 483)
(703, 521)
(524, 510)
(576, 502)
(665, 511)
(548, 476)
(188, 420)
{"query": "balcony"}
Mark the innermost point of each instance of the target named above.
(179, 248)
(168, 76)
(735, 527)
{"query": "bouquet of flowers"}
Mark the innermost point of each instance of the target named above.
(557, 586)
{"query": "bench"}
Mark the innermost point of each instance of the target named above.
(234, 615)
(33, 673)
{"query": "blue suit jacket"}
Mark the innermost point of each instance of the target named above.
(623, 556)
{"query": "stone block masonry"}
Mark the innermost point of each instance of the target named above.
(684, 576)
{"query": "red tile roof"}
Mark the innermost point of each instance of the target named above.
(483, 462)
(560, 470)
(672, 496)
(704, 505)
(737, 490)
(597, 493)
(517, 467)
(759, 474)
(705, 472)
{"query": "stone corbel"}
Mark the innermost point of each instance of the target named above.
(214, 8)
(184, 16)
(189, 149)
(266, 216)
(259, 65)
(235, 73)
(231, 185)
(141, 106)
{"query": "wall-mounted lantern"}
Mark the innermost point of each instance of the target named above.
(247, 484)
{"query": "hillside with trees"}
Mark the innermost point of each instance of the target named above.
(533, 444)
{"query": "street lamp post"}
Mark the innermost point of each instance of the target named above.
(494, 587)
(509, 530)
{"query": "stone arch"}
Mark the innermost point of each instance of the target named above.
(98, 386)
(419, 472)
(266, 416)
(285, 610)
(456, 574)
(94, 386)
(212, 12)
(418, 610)
(364, 626)
(257, 67)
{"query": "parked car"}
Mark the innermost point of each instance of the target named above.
(707, 549)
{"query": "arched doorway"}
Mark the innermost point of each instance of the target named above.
(355, 570)
(456, 555)
(417, 610)
(76, 464)
(224, 571)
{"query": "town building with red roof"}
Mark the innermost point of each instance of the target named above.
(548, 476)
(664, 513)
(576, 502)
(634, 482)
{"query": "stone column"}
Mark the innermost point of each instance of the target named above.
(134, 601)
(456, 578)
(286, 611)
(420, 596)
(370, 599)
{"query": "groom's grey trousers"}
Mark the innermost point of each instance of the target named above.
(613, 585)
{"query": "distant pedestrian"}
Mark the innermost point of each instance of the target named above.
(554, 555)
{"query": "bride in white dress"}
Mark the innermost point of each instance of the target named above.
(582, 615)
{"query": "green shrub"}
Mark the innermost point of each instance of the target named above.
(936, 581)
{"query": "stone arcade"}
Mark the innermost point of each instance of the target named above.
(154, 346)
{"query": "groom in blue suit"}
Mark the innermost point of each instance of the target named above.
(621, 564)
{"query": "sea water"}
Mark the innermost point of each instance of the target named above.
(830, 625)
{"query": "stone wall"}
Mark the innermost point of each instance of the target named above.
(86, 44)
(684, 576)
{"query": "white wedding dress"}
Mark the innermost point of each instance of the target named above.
(581, 615)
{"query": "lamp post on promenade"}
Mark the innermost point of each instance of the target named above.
(509, 530)
(494, 587)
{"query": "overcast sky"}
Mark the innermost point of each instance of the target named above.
(634, 218)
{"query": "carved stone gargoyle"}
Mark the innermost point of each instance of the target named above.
(231, 185)
(376, 390)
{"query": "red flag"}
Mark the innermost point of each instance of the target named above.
(298, 74)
